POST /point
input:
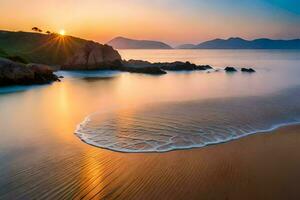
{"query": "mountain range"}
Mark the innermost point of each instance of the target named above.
(126, 43)
(230, 43)
(239, 43)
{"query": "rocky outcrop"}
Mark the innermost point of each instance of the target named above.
(182, 66)
(167, 66)
(42, 73)
(93, 56)
(230, 69)
(136, 63)
(13, 73)
(248, 70)
(144, 70)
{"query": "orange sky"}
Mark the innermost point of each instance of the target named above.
(171, 21)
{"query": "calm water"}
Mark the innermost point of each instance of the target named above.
(184, 110)
(138, 113)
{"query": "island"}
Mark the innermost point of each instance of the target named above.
(126, 43)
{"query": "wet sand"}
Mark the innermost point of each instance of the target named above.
(260, 166)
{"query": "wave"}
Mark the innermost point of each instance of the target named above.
(172, 126)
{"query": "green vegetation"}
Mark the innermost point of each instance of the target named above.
(17, 59)
(49, 49)
(2, 53)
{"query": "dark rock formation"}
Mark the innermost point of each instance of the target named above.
(93, 56)
(249, 70)
(182, 66)
(172, 66)
(42, 73)
(140, 66)
(230, 69)
(13, 73)
(144, 70)
(136, 63)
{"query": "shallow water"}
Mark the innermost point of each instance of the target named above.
(37, 124)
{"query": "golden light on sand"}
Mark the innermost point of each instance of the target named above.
(62, 32)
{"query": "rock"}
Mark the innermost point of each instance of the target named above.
(144, 70)
(230, 69)
(172, 66)
(13, 73)
(140, 66)
(182, 66)
(136, 63)
(93, 56)
(249, 70)
(42, 73)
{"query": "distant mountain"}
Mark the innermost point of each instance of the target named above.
(125, 43)
(186, 46)
(239, 43)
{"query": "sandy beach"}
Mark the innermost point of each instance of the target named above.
(260, 166)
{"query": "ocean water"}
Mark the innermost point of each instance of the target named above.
(195, 109)
(46, 131)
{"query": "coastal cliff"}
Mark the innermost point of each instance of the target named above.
(93, 56)
(14, 73)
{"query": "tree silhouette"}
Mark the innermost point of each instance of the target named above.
(48, 32)
(36, 29)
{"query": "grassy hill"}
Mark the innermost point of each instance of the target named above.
(38, 48)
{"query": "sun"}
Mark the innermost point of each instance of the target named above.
(62, 32)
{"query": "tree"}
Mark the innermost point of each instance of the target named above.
(36, 29)
(48, 32)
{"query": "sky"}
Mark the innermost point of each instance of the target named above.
(171, 21)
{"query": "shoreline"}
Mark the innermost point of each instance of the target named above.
(82, 138)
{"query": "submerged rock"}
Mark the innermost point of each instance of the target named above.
(13, 73)
(230, 69)
(249, 70)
